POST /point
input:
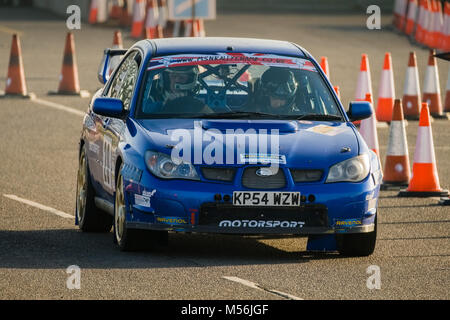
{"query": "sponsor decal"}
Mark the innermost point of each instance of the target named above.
(171, 220)
(348, 223)
(143, 201)
(260, 224)
(231, 58)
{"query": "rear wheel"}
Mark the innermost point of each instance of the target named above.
(90, 218)
(357, 244)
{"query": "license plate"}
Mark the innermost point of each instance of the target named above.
(255, 198)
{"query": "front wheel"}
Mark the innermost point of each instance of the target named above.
(357, 244)
(131, 239)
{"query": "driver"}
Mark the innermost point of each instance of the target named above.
(176, 89)
(178, 82)
(278, 88)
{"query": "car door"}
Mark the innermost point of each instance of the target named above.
(122, 86)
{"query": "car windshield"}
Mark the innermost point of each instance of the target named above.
(235, 85)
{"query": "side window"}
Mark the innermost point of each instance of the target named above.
(125, 78)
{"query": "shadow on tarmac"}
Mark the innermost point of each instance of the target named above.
(59, 248)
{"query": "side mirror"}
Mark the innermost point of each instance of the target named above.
(108, 107)
(359, 110)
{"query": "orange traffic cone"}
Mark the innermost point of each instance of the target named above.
(444, 43)
(152, 28)
(432, 88)
(447, 94)
(411, 17)
(368, 129)
(201, 28)
(436, 27)
(411, 90)
(420, 25)
(116, 10)
(364, 83)
(117, 44)
(324, 66)
(386, 93)
(124, 19)
(93, 12)
(396, 166)
(338, 91)
(137, 26)
(425, 179)
(68, 79)
(15, 80)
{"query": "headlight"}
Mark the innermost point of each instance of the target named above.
(162, 166)
(352, 170)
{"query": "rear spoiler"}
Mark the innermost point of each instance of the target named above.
(105, 68)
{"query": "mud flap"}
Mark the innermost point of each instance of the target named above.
(322, 243)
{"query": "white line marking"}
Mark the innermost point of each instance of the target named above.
(39, 206)
(258, 287)
(57, 106)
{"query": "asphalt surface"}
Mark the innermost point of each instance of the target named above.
(38, 162)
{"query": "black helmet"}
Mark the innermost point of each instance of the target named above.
(279, 83)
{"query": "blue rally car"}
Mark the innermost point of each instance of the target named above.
(228, 136)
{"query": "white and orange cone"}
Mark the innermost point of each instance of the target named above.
(201, 28)
(386, 93)
(338, 91)
(436, 27)
(420, 25)
(432, 88)
(425, 179)
(117, 44)
(411, 17)
(368, 129)
(93, 12)
(411, 90)
(152, 30)
(444, 43)
(137, 26)
(396, 166)
(364, 83)
(116, 9)
(324, 66)
(162, 17)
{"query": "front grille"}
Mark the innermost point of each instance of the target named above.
(219, 174)
(313, 215)
(253, 181)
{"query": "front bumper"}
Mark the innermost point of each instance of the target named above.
(180, 206)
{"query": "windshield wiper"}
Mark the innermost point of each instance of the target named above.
(319, 117)
(239, 114)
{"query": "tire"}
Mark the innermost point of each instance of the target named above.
(132, 239)
(90, 218)
(357, 244)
